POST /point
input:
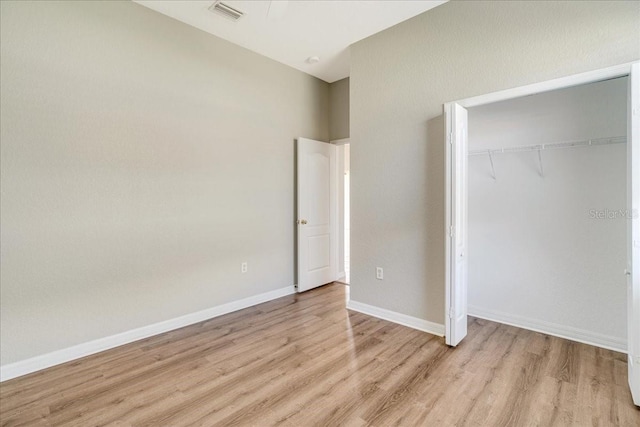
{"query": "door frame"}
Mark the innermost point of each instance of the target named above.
(632, 271)
(340, 143)
(503, 95)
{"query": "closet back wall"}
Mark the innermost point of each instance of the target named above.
(537, 256)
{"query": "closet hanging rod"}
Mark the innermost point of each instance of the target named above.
(566, 144)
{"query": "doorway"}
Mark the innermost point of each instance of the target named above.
(456, 251)
(322, 249)
(344, 210)
(347, 215)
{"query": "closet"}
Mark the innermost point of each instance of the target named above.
(547, 212)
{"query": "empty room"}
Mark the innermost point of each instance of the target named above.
(319, 213)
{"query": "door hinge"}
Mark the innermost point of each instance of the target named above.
(451, 137)
(451, 231)
(452, 314)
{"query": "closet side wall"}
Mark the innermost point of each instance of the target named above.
(540, 253)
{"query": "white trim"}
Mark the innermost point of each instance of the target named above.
(559, 83)
(335, 229)
(342, 141)
(340, 265)
(395, 317)
(57, 357)
(550, 328)
(633, 232)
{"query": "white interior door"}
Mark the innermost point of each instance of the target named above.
(633, 246)
(456, 222)
(317, 214)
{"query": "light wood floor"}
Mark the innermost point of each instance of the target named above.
(305, 360)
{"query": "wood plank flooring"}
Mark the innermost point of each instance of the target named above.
(304, 360)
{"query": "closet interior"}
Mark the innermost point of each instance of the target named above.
(547, 212)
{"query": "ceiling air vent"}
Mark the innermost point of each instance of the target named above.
(226, 11)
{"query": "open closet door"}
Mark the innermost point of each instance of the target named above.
(456, 224)
(633, 246)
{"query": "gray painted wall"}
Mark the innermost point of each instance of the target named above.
(536, 252)
(142, 161)
(400, 79)
(339, 109)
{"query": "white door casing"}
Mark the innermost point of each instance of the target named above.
(317, 213)
(456, 224)
(633, 234)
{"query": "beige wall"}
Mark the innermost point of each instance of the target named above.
(400, 79)
(339, 109)
(142, 161)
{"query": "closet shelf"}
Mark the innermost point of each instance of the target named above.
(539, 147)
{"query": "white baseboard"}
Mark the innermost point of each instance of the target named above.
(395, 317)
(57, 357)
(549, 328)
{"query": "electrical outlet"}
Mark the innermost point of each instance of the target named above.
(244, 267)
(379, 273)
